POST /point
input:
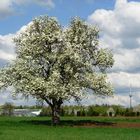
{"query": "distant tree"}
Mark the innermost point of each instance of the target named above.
(20, 107)
(56, 64)
(90, 111)
(83, 113)
(7, 109)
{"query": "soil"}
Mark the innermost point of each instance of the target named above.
(111, 125)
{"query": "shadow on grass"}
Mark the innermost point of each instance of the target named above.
(70, 123)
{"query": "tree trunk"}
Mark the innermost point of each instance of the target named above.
(55, 107)
(55, 114)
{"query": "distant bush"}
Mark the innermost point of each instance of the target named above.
(46, 111)
(129, 112)
(7, 109)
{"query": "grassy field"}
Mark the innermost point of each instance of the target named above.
(37, 128)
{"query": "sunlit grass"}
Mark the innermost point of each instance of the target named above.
(26, 129)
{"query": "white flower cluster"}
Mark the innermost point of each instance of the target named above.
(56, 63)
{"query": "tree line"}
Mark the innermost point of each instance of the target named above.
(72, 110)
(92, 110)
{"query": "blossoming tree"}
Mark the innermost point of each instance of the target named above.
(56, 64)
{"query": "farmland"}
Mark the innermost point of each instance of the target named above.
(71, 128)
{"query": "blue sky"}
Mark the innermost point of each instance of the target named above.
(118, 20)
(62, 9)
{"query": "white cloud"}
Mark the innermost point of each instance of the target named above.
(120, 32)
(120, 4)
(123, 22)
(123, 80)
(7, 7)
(48, 3)
(7, 97)
(127, 60)
(6, 56)
(7, 47)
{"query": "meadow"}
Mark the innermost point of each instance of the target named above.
(71, 128)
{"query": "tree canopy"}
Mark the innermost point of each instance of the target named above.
(56, 63)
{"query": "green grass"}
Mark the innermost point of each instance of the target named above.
(15, 128)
